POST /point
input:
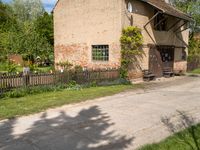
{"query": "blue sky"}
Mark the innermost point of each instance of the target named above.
(48, 4)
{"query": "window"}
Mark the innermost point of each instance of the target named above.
(160, 22)
(100, 52)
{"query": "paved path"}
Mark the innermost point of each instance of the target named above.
(120, 122)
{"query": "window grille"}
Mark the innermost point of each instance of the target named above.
(100, 52)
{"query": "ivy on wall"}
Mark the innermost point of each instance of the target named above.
(131, 42)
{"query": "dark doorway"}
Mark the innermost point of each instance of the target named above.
(160, 58)
(167, 56)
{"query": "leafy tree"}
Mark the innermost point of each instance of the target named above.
(26, 29)
(7, 21)
(191, 7)
(27, 9)
(44, 26)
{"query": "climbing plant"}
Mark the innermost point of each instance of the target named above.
(131, 42)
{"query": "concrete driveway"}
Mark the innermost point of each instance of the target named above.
(120, 122)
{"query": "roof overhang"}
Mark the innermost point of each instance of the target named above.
(167, 9)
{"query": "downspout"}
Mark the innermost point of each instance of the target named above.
(145, 26)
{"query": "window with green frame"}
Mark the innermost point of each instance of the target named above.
(100, 52)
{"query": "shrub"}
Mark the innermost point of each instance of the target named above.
(115, 82)
(78, 68)
(21, 92)
(65, 65)
(131, 42)
(72, 85)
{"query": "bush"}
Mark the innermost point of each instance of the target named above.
(21, 92)
(72, 85)
(115, 82)
(131, 43)
(12, 68)
(8, 67)
(3, 66)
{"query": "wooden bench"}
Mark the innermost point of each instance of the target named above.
(167, 72)
(148, 76)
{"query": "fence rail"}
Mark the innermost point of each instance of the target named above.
(11, 81)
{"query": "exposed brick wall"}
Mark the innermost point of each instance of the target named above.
(80, 54)
(180, 66)
(80, 24)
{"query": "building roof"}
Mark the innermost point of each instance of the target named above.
(168, 9)
(164, 7)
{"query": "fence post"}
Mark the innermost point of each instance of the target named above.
(26, 79)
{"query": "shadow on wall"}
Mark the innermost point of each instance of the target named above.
(135, 69)
(86, 131)
(190, 136)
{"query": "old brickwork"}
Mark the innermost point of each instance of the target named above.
(79, 24)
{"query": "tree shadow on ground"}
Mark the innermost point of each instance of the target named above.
(88, 130)
(190, 136)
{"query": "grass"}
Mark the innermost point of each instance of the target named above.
(3, 68)
(14, 107)
(188, 139)
(196, 71)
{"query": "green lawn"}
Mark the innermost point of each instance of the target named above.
(188, 139)
(3, 68)
(196, 71)
(13, 107)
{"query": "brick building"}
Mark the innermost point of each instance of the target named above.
(87, 33)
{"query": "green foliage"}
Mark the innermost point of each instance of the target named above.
(194, 47)
(191, 7)
(184, 140)
(12, 107)
(11, 68)
(78, 68)
(131, 42)
(65, 65)
(194, 54)
(26, 29)
(21, 92)
(120, 81)
(3, 66)
(8, 67)
(26, 10)
(196, 71)
(44, 26)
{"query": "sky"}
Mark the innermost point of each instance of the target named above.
(48, 4)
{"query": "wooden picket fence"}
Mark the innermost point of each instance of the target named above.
(12, 80)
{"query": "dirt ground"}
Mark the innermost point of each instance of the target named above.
(121, 122)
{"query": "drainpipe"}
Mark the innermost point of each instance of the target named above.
(145, 26)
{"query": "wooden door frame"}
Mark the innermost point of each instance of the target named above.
(156, 48)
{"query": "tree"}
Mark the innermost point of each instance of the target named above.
(191, 7)
(44, 26)
(27, 10)
(7, 22)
